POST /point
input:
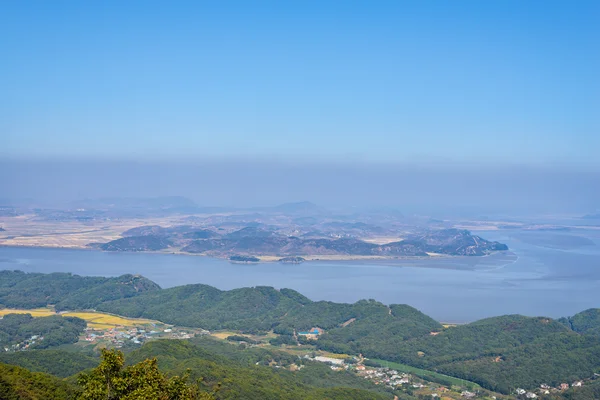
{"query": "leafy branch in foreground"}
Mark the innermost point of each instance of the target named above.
(112, 380)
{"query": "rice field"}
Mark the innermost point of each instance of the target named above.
(95, 320)
(36, 312)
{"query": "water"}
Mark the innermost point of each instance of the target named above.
(545, 273)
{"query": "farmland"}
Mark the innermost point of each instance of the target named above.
(95, 320)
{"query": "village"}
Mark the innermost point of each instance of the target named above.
(25, 344)
(408, 382)
(120, 336)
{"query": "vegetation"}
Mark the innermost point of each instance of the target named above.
(112, 380)
(17, 383)
(504, 353)
(67, 291)
(137, 243)
(58, 362)
(24, 331)
(240, 338)
(244, 259)
(587, 321)
(257, 241)
(237, 376)
(424, 374)
(292, 260)
(499, 353)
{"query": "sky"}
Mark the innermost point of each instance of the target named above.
(479, 105)
(469, 82)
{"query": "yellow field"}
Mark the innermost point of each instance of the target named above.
(95, 320)
(224, 335)
(334, 355)
(37, 312)
(101, 321)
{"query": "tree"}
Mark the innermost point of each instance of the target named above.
(112, 381)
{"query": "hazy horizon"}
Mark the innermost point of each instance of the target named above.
(243, 183)
(484, 107)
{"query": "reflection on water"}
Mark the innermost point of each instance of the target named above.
(531, 279)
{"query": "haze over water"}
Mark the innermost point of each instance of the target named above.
(546, 273)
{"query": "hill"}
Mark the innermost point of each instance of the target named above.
(22, 331)
(137, 243)
(502, 353)
(67, 291)
(587, 322)
(498, 353)
(17, 383)
(241, 378)
(255, 241)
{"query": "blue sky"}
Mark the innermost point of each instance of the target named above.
(398, 81)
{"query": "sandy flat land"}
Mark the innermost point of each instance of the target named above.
(328, 257)
(383, 239)
(30, 230)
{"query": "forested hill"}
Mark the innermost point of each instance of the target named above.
(499, 353)
(587, 321)
(22, 331)
(67, 291)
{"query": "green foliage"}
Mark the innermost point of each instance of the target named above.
(283, 339)
(112, 380)
(498, 353)
(244, 259)
(57, 362)
(17, 383)
(504, 352)
(239, 338)
(66, 291)
(236, 374)
(50, 331)
(587, 321)
(137, 243)
(586, 392)
(378, 330)
(247, 309)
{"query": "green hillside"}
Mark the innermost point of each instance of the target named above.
(499, 353)
(17, 383)
(66, 291)
(24, 331)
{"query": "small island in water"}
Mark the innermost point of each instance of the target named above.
(292, 260)
(244, 259)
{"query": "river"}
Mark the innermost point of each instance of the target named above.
(550, 273)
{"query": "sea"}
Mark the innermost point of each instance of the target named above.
(545, 273)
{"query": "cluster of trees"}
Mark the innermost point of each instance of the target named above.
(55, 330)
(17, 383)
(249, 310)
(58, 362)
(587, 321)
(238, 258)
(137, 243)
(67, 291)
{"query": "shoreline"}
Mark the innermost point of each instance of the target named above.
(268, 259)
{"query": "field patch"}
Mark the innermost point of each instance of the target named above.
(95, 320)
(225, 334)
(36, 312)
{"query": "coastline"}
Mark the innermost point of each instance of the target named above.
(268, 259)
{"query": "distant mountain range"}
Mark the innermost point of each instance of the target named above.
(592, 216)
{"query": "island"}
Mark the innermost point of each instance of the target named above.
(244, 259)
